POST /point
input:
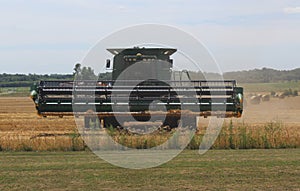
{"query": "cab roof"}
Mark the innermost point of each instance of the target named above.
(135, 50)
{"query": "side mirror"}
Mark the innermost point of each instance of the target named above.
(108, 63)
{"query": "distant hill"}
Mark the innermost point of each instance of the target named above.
(264, 75)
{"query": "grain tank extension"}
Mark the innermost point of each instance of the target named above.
(132, 95)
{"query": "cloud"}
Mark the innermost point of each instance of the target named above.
(64, 29)
(291, 10)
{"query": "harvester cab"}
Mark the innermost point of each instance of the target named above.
(141, 84)
(153, 63)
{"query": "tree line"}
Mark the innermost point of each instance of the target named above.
(26, 80)
(264, 75)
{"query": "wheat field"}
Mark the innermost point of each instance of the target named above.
(273, 124)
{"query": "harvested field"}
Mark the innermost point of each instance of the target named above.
(16, 105)
(286, 110)
(19, 114)
(22, 129)
(255, 169)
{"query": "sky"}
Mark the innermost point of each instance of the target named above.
(51, 36)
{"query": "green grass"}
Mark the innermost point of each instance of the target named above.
(216, 170)
(268, 87)
(14, 91)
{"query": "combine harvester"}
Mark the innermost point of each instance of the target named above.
(127, 95)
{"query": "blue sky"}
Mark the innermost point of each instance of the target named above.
(50, 36)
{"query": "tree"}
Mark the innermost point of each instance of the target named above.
(85, 73)
(88, 73)
(77, 69)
